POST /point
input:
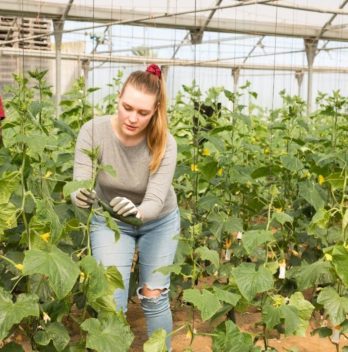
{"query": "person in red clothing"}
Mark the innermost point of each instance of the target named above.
(2, 117)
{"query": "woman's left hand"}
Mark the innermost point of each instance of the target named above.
(123, 206)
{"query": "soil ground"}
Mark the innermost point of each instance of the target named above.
(245, 321)
(181, 343)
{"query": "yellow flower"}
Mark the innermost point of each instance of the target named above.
(306, 174)
(19, 267)
(295, 253)
(321, 179)
(278, 210)
(194, 167)
(228, 243)
(48, 174)
(220, 171)
(328, 257)
(189, 334)
(82, 277)
(45, 236)
(9, 222)
(266, 151)
(278, 300)
(206, 152)
(46, 317)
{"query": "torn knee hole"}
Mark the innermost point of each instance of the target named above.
(146, 292)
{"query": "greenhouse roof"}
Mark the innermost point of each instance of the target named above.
(269, 35)
(310, 18)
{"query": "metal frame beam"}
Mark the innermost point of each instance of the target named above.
(182, 19)
(201, 30)
(169, 62)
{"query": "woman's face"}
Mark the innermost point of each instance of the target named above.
(135, 110)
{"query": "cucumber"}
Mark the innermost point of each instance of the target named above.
(131, 219)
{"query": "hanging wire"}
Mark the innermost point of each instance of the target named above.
(92, 85)
(273, 92)
(173, 67)
(195, 130)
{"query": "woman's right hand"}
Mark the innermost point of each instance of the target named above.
(83, 198)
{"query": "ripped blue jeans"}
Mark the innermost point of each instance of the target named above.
(156, 242)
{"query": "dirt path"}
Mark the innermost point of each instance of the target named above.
(245, 321)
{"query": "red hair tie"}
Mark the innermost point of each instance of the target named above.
(2, 111)
(155, 70)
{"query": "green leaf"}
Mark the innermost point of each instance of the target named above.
(105, 304)
(291, 163)
(264, 171)
(166, 270)
(228, 338)
(13, 313)
(254, 238)
(8, 184)
(12, 347)
(313, 194)
(55, 332)
(73, 186)
(217, 142)
(156, 342)
(109, 334)
(64, 127)
(208, 254)
(108, 169)
(345, 220)
(335, 305)
(8, 218)
(291, 319)
(233, 224)
(209, 169)
(321, 218)
(114, 278)
(271, 315)
(340, 262)
(336, 180)
(112, 225)
(314, 274)
(322, 332)
(304, 311)
(62, 272)
(100, 284)
(37, 143)
(251, 281)
(95, 274)
(205, 301)
(208, 201)
(46, 215)
(226, 296)
(282, 218)
(304, 307)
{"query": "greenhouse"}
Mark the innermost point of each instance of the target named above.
(173, 175)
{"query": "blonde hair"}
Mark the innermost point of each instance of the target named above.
(157, 130)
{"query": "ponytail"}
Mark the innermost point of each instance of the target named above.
(151, 81)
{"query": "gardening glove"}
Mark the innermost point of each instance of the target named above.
(83, 198)
(123, 206)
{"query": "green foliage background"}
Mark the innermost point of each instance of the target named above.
(257, 189)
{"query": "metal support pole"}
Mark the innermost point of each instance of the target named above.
(235, 75)
(85, 67)
(58, 26)
(164, 70)
(299, 77)
(311, 46)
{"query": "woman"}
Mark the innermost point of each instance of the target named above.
(136, 142)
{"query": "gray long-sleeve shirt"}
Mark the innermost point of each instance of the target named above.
(152, 193)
